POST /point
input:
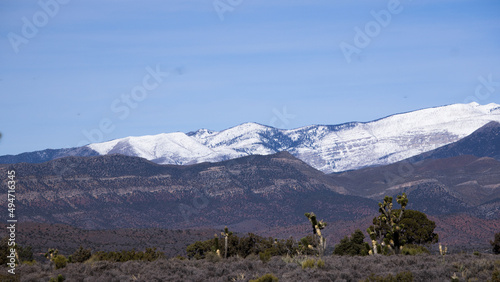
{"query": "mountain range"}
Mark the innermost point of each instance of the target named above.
(328, 148)
(457, 185)
(266, 194)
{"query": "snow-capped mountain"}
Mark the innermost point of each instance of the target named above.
(329, 148)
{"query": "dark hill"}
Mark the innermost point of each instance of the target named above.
(115, 191)
(484, 142)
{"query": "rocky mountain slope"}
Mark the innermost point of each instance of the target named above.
(484, 142)
(116, 191)
(462, 177)
(329, 148)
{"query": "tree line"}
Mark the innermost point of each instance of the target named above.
(393, 231)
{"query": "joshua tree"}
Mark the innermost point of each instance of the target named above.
(51, 254)
(317, 227)
(387, 226)
(226, 234)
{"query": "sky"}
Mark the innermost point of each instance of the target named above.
(75, 72)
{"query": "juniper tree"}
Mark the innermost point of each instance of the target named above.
(317, 227)
(417, 229)
(353, 246)
(387, 226)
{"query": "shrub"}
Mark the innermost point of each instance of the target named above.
(59, 278)
(212, 257)
(80, 255)
(405, 276)
(496, 244)
(266, 278)
(321, 263)
(495, 276)
(352, 246)
(414, 250)
(244, 246)
(265, 256)
(198, 249)
(60, 261)
(308, 263)
(28, 262)
(23, 253)
(150, 254)
(9, 278)
(179, 257)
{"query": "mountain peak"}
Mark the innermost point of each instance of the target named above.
(329, 148)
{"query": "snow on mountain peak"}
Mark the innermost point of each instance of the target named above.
(330, 148)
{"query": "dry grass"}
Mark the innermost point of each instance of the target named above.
(466, 267)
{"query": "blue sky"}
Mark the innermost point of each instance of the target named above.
(66, 68)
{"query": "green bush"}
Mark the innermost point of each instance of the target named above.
(495, 276)
(414, 250)
(496, 244)
(24, 253)
(354, 246)
(405, 276)
(321, 263)
(9, 277)
(150, 254)
(245, 246)
(213, 257)
(265, 256)
(59, 278)
(266, 278)
(308, 263)
(60, 261)
(80, 255)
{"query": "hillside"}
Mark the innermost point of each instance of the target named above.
(117, 191)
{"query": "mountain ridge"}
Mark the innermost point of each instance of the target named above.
(329, 148)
